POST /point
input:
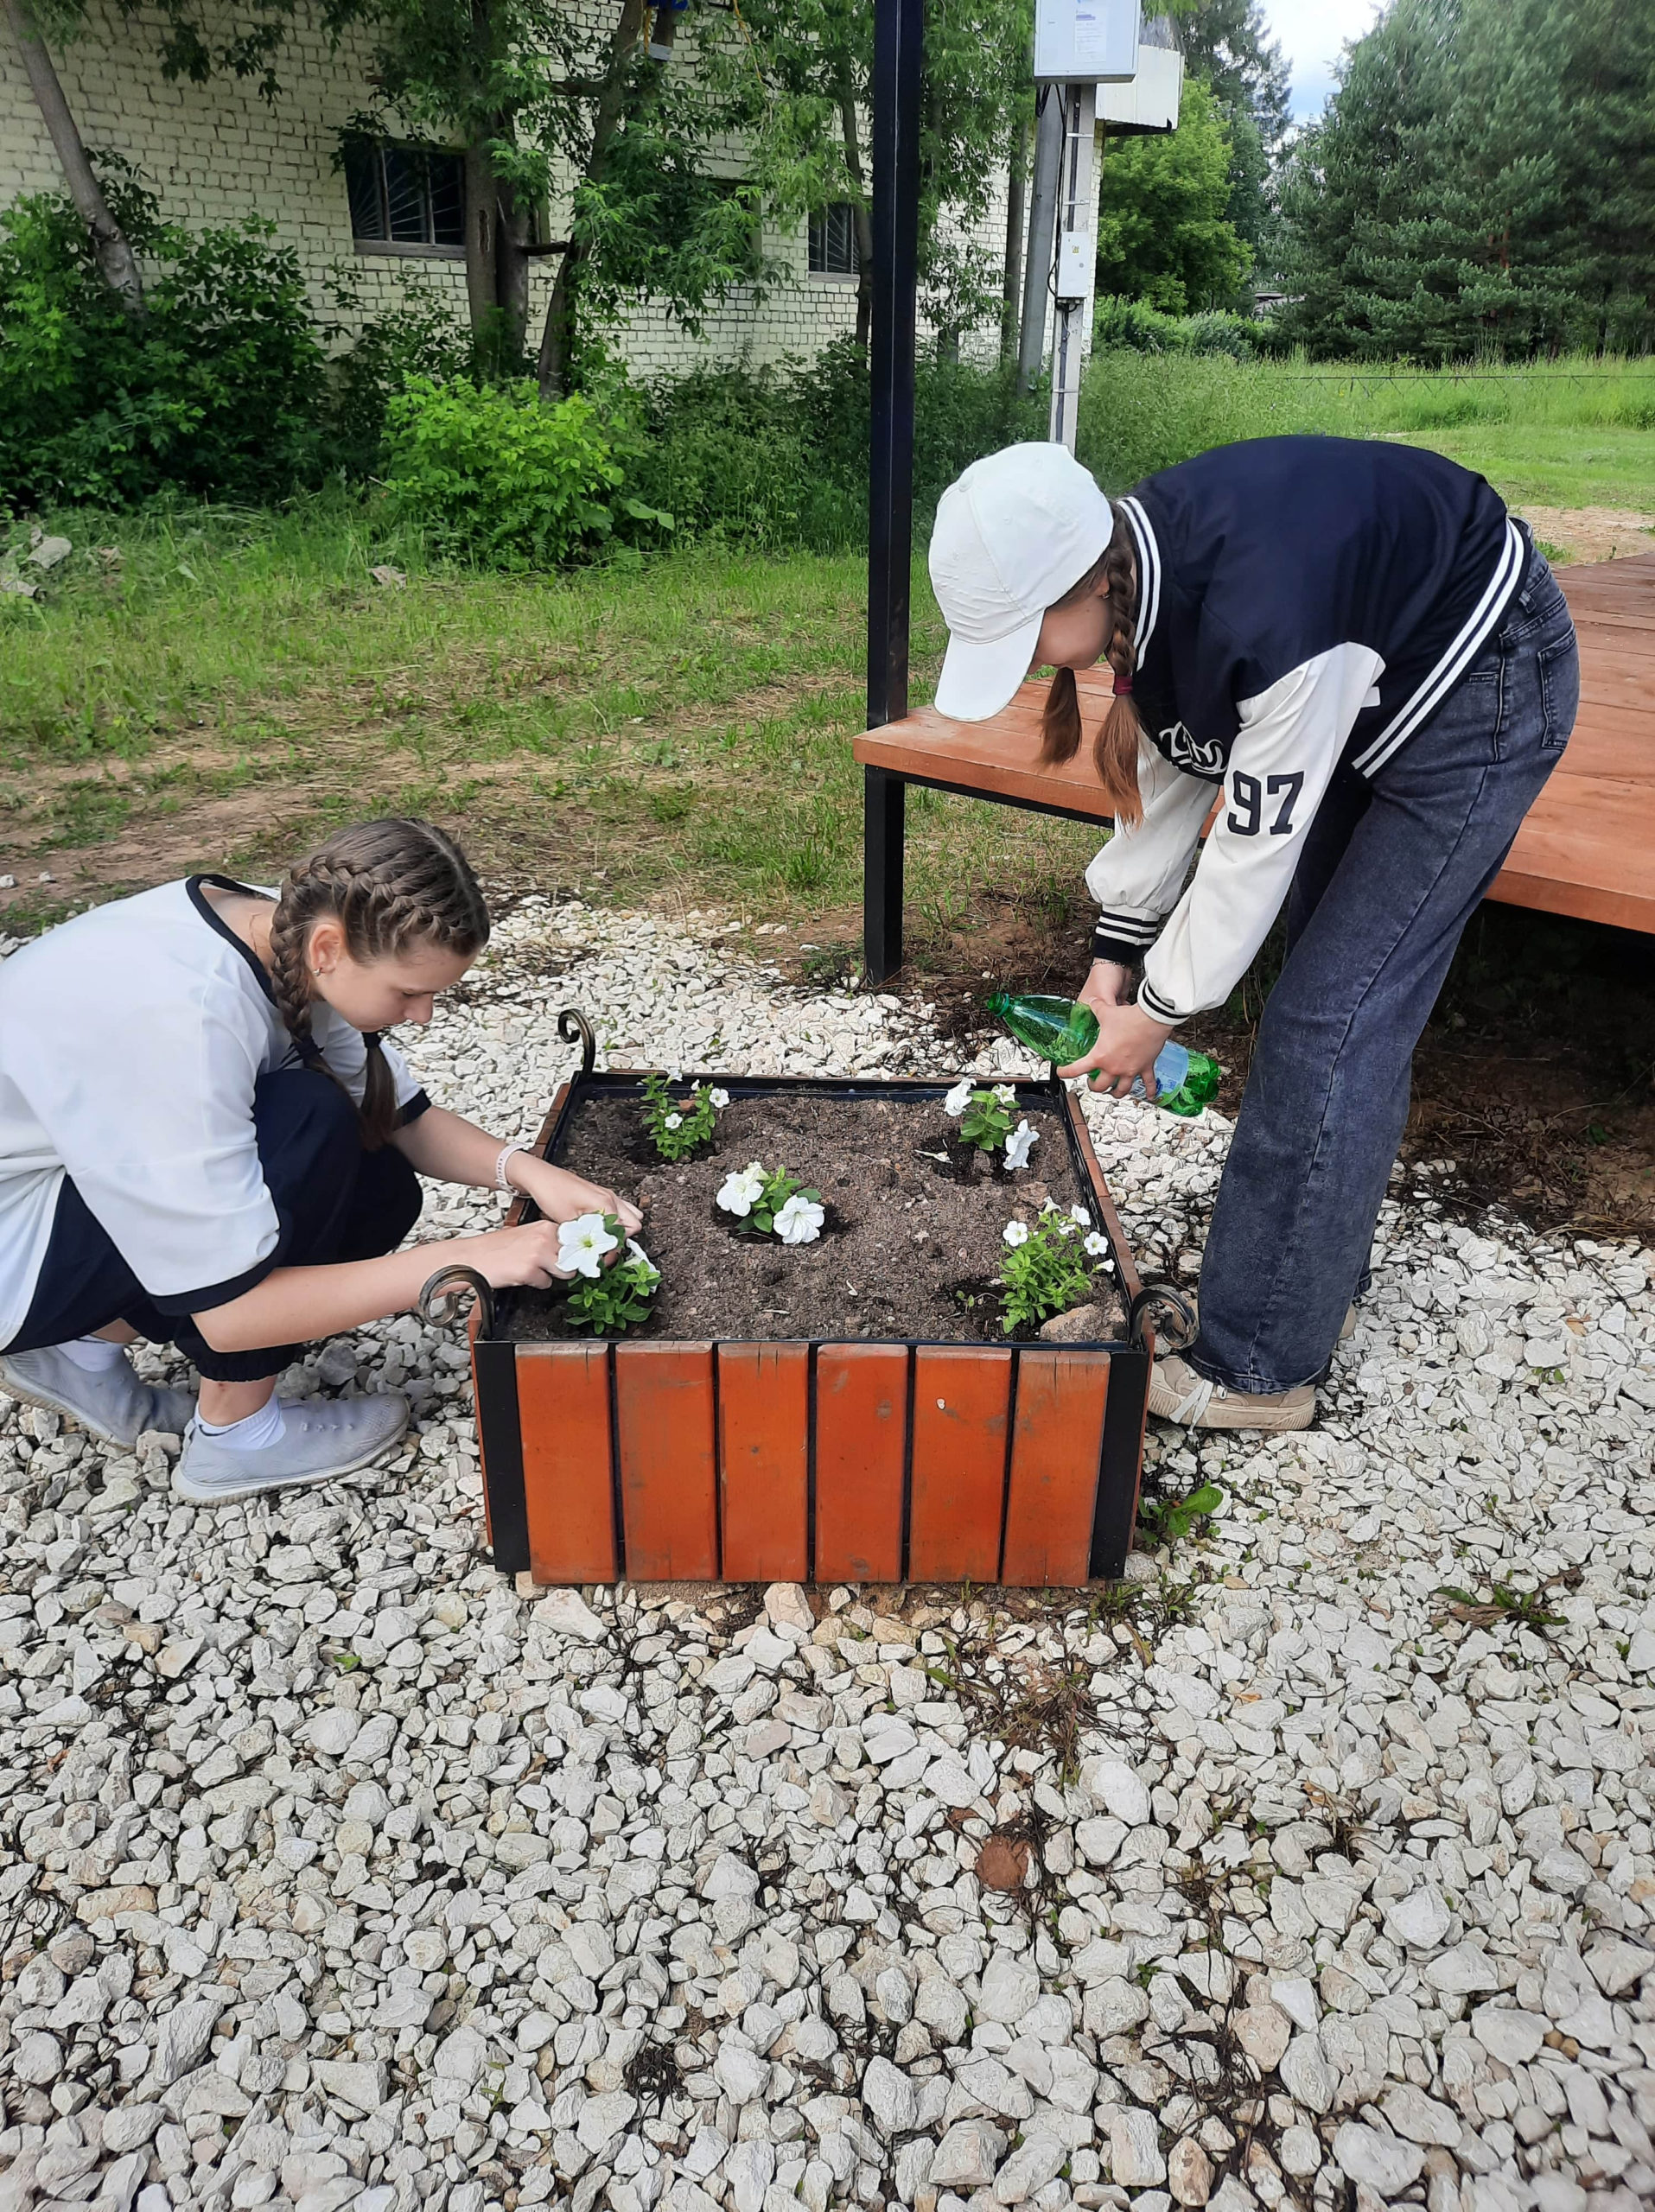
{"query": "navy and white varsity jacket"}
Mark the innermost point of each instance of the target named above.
(1301, 602)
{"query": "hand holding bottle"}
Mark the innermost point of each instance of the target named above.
(1129, 1041)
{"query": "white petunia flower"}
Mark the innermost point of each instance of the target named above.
(719, 1100)
(675, 1075)
(1019, 1144)
(583, 1244)
(1097, 1245)
(1079, 1214)
(673, 1122)
(743, 1188)
(1005, 1094)
(958, 1099)
(641, 1259)
(800, 1220)
(1016, 1233)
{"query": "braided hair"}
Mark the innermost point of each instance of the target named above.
(1115, 748)
(390, 884)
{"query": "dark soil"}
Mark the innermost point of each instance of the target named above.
(1535, 1075)
(905, 1233)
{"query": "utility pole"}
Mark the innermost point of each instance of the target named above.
(1076, 254)
(1042, 222)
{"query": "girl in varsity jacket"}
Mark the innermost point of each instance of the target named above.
(1354, 652)
(204, 1142)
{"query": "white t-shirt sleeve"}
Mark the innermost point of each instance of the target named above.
(1139, 873)
(167, 1159)
(1289, 742)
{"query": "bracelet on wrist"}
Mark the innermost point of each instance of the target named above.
(506, 1152)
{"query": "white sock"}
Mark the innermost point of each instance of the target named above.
(96, 1355)
(252, 1433)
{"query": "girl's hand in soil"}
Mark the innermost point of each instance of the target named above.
(563, 1197)
(1127, 1042)
(524, 1257)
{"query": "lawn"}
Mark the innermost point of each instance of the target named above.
(213, 687)
(213, 690)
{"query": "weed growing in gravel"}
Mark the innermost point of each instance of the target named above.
(1170, 1521)
(678, 1127)
(1504, 1602)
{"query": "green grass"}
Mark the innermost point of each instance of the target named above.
(1572, 433)
(232, 684)
(215, 687)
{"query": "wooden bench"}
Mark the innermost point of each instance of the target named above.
(1588, 848)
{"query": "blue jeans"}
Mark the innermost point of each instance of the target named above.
(333, 1201)
(1392, 870)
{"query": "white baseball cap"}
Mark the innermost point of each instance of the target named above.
(1012, 535)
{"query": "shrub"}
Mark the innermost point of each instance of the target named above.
(1135, 327)
(221, 392)
(419, 337)
(492, 476)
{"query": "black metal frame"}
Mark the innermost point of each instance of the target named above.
(899, 56)
(494, 1349)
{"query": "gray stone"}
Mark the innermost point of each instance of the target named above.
(1385, 2163)
(890, 2096)
(968, 2155)
(1010, 1987)
(1134, 2155)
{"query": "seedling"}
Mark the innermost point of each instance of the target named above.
(678, 1127)
(608, 1299)
(771, 1201)
(1049, 1268)
(984, 1118)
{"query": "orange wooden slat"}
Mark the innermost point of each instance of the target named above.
(1622, 680)
(664, 1410)
(1611, 741)
(1056, 1447)
(563, 1393)
(763, 1436)
(956, 1511)
(1588, 850)
(861, 1417)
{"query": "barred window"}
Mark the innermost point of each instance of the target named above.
(833, 241)
(405, 195)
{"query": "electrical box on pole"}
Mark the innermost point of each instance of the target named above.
(1085, 41)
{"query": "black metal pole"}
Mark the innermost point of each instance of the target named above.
(899, 48)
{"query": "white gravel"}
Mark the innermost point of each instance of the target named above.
(335, 1872)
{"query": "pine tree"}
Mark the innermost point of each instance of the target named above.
(1226, 46)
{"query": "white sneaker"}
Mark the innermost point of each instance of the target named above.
(321, 1438)
(109, 1402)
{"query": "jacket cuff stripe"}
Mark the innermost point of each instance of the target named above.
(1153, 1003)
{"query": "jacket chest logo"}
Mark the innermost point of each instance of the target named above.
(1203, 756)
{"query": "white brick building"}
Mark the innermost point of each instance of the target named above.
(217, 152)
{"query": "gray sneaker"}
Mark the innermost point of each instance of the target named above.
(324, 1437)
(111, 1404)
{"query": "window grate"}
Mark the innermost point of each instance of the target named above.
(405, 195)
(833, 241)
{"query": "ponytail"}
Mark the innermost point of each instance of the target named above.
(388, 885)
(1115, 748)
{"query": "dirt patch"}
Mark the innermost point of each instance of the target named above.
(1592, 533)
(905, 1232)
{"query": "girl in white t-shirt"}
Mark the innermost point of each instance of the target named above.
(204, 1141)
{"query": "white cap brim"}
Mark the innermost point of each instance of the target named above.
(979, 678)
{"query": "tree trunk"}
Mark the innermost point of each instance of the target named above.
(557, 336)
(482, 296)
(1011, 284)
(113, 255)
(512, 273)
(853, 163)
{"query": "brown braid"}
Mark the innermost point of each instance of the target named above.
(390, 884)
(1115, 748)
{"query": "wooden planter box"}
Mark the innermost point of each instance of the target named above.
(864, 1461)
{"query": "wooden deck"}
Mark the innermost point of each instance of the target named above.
(1588, 848)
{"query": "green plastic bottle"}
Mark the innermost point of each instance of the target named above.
(1062, 1030)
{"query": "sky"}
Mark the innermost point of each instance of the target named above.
(1311, 33)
